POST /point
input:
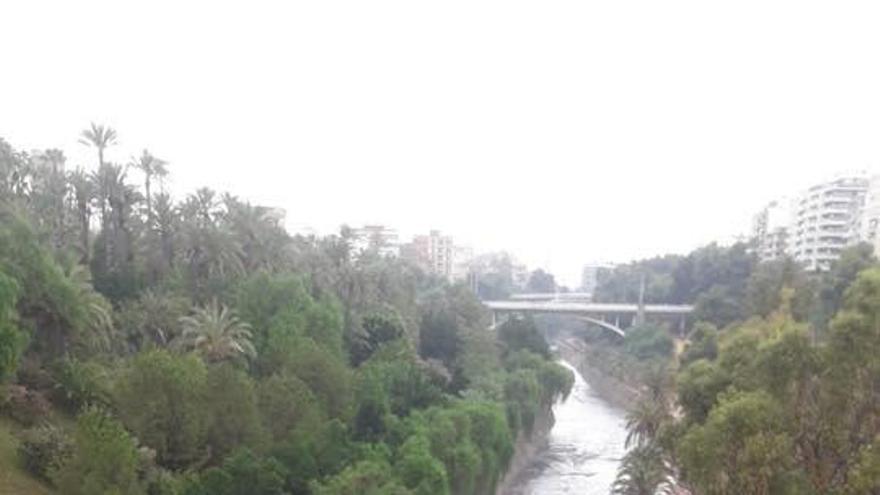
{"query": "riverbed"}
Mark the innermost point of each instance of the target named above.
(583, 448)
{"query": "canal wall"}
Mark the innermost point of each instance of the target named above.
(525, 450)
(612, 390)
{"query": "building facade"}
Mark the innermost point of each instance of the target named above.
(771, 229)
(826, 218)
(377, 238)
(869, 221)
(590, 276)
(432, 252)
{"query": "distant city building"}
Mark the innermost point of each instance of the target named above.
(590, 276)
(869, 221)
(432, 252)
(814, 226)
(771, 230)
(826, 220)
(377, 238)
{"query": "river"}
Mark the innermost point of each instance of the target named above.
(583, 450)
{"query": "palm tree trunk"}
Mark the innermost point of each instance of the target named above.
(84, 232)
(149, 201)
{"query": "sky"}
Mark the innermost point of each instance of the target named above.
(566, 132)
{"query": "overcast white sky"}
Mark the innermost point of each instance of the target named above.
(566, 132)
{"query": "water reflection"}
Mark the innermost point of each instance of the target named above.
(584, 447)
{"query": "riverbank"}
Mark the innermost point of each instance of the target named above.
(525, 451)
(610, 389)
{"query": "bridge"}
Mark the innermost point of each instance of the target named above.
(612, 316)
(553, 296)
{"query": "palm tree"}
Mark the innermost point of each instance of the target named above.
(83, 193)
(150, 166)
(100, 137)
(115, 200)
(216, 333)
(97, 331)
(644, 421)
(643, 472)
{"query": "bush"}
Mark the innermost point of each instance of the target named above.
(230, 407)
(23, 405)
(363, 478)
(79, 384)
(522, 333)
(243, 473)
(32, 374)
(12, 340)
(44, 449)
(160, 398)
(285, 402)
(648, 342)
(104, 459)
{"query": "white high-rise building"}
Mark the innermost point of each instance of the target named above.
(826, 218)
(869, 220)
(377, 238)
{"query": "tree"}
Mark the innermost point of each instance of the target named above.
(160, 397)
(363, 478)
(151, 167)
(231, 405)
(834, 283)
(379, 328)
(439, 337)
(100, 137)
(242, 473)
(541, 281)
(83, 194)
(644, 421)
(742, 448)
(521, 333)
(104, 460)
(643, 472)
(12, 340)
(719, 305)
(286, 402)
(702, 344)
(215, 332)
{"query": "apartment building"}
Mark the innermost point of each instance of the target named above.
(814, 226)
(771, 229)
(377, 238)
(432, 252)
(825, 220)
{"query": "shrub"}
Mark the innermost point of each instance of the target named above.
(522, 333)
(243, 473)
(23, 405)
(44, 449)
(160, 398)
(647, 342)
(231, 409)
(81, 383)
(12, 340)
(104, 459)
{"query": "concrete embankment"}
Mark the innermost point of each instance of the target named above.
(526, 449)
(612, 390)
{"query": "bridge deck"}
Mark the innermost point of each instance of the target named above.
(595, 308)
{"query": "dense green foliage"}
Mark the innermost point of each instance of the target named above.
(783, 399)
(201, 349)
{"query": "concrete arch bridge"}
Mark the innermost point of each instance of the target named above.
(616, 317)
